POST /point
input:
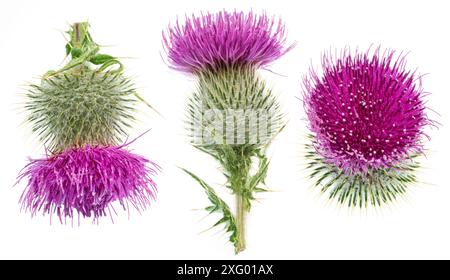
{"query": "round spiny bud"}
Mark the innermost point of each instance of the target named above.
(81, 106)
(233, 106)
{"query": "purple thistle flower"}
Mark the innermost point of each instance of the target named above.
(366, 111)
(225, 51)
(86, 181)
(214, 40)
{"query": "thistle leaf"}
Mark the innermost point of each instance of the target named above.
(218, 206)
(101, 58)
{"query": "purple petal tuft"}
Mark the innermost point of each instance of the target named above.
(366, 111)
(224, 39)
(86, 181)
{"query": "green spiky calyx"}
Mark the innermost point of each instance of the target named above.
(373, 188)
(240, 100)
(81, 106)
(88, 101)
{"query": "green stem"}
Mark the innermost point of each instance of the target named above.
(241, 212)
(241, 179)
(77, 34)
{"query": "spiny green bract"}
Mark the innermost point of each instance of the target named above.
(81, 106)
(375, 187)
(238, 98)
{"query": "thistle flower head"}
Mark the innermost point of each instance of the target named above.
(213, 41)
(366, 110)
(233, 116)
(86, 181)
(81, 106)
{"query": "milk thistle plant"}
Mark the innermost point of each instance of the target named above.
(367, 116)
(233, 116)
(81, 113)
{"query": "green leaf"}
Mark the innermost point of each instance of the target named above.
(109, 63)
(218, 206)
(76, 53)
(211, 209)
(101, 59)
(68, 49)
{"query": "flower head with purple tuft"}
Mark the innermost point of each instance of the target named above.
(213, 41)
(85, 181)
(81, 113)
(367, 117)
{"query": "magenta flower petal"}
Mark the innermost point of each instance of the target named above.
(87, 181)
(214, 40)
(366, 111)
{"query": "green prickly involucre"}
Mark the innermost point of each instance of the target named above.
(239, 89)
(81, 106)
(373, 188)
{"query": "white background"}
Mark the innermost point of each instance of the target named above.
(293, 222)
